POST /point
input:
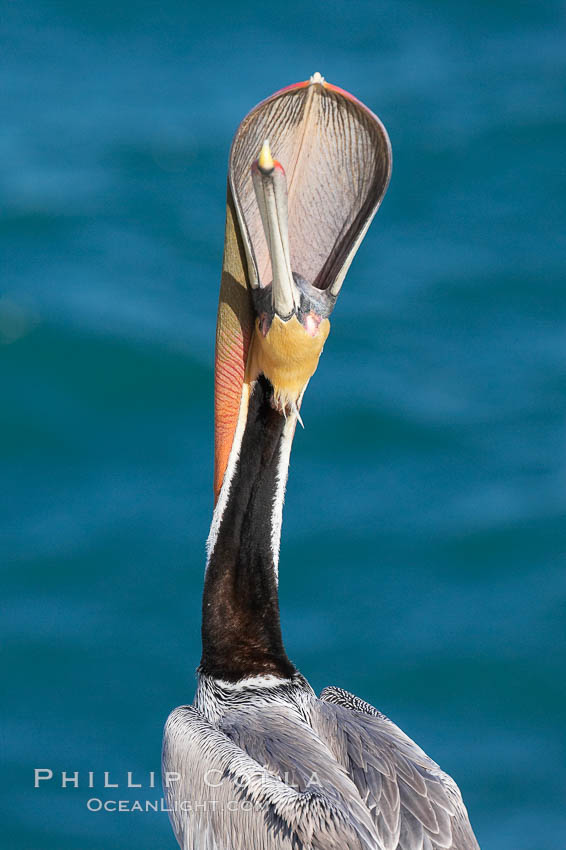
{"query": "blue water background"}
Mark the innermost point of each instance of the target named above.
(424, 536)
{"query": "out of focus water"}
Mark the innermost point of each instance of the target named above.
(424, 536)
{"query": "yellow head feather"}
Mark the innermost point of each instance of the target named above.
(288, 356)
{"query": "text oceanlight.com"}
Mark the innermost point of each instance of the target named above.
(95, 804)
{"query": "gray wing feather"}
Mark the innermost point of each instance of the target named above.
(231, 788)
(414, 805)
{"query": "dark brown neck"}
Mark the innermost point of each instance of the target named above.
(241, 632)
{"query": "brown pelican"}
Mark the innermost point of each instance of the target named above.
(258, 760)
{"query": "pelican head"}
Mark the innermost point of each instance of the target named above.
(307, 171)
(292, 324)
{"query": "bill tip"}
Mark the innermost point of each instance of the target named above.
(265, 160)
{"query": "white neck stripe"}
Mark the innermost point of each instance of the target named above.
(229, 474)
(252, 682)
(280, 485)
